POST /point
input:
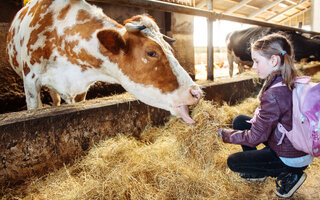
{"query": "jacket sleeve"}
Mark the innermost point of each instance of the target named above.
(261, 129)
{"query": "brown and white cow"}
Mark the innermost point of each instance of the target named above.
(67, 45)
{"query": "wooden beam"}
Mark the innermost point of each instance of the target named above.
(201, 4)
(294, 15)
(236, 7)
(246, 5)
(264, 8)
(284, 11)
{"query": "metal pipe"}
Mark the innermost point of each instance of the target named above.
(159, 6)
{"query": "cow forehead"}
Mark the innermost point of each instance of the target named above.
(142, 69)
(145, 20)
(151, 31)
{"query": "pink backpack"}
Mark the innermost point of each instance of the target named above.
(305, 133)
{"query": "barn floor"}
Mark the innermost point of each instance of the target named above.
(173, 161)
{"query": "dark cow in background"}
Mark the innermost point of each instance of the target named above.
(239, 42)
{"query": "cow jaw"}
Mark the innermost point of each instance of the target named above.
(183, 99)
(183, 111)
(175, 102)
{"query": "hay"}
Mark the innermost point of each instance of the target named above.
(316, 77)
(174, 161)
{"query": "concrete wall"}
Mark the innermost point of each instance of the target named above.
(182, 31)
(12, 97)
(9, 9)
(36, 142)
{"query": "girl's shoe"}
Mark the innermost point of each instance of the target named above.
(250, 177)
(288, 183)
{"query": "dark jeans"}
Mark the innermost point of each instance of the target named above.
(255, 162)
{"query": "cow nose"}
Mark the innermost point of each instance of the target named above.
(195, 92)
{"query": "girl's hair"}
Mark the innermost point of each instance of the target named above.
(277, 44)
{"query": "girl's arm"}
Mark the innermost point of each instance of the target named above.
(265, 123)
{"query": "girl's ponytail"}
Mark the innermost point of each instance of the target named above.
(288, 71)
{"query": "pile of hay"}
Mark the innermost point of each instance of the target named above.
(174, 161)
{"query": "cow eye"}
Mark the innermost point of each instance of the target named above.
(151, 53)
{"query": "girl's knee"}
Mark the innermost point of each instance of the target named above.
(240, 122)
(231, 162)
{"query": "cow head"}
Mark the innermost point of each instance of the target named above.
(147, 67)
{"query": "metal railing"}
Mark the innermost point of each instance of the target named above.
(209, 14)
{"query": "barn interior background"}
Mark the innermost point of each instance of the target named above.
(29, 148)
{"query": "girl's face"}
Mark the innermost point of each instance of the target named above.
(263, 65)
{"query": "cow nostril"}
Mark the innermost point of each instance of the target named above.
(195, 93)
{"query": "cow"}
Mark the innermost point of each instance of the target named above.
(238, 45)
(68, 45)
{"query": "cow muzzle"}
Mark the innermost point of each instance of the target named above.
(195, 94)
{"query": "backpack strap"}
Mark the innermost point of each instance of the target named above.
(279, 126)
(318, 127)
(283, 131)
(278, 85)
(298, 80)
(299, 86)
(302, 79)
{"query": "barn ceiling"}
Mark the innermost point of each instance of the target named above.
(288, 12)
(273, 11)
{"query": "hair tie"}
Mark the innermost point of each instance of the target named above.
(283, 52)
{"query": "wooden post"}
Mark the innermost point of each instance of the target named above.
(210, 56)
(315, 15)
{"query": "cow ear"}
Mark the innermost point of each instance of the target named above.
(111, 40)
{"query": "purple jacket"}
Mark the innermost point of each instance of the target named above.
(276, 106)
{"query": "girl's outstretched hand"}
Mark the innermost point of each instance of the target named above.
(220, 133)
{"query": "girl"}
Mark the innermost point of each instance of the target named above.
(273, 59)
